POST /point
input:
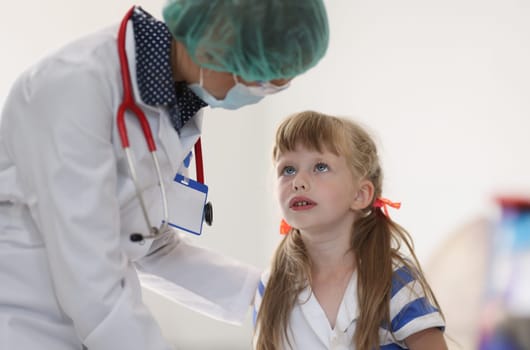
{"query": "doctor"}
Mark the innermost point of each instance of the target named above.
(69, 272)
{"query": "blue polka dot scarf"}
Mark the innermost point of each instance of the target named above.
(154, 74)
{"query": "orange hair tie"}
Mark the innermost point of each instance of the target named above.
(385, 203)
(284, 227)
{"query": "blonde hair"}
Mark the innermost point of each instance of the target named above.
(376, 240)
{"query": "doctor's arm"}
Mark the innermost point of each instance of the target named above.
(68, 168)
(199, 278)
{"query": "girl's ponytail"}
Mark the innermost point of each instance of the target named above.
(371, 244)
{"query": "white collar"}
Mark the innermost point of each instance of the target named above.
(346, 316)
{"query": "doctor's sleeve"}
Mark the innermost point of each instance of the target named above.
(200, 279)
(67, 169)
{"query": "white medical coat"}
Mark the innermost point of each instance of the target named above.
(68, 270)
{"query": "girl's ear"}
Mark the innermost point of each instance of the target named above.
(364, 196)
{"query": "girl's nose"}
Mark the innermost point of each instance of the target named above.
(300, 183)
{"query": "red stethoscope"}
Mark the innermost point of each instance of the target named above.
(128, 104)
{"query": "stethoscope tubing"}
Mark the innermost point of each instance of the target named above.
(128, 104)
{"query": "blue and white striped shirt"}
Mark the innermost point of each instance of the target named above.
(410, 312)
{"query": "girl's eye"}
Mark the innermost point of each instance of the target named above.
(321, 167)
(288, 170)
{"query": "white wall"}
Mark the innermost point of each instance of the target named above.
(443, 85)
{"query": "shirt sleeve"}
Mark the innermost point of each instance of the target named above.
(410, 309)
(260, 291)
(199, 278)
(61, 119)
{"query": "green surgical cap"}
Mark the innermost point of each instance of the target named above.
(258, 40)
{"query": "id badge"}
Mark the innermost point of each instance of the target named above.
(187, 211)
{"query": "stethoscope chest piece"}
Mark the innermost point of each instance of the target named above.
(208, 213)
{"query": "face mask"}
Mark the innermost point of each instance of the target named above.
(238, 96)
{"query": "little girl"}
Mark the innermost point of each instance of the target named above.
(338, 279)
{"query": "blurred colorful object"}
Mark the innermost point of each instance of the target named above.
(507, 292)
